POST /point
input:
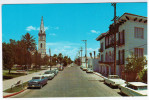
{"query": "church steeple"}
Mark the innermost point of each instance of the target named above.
(42, 26)
(42, 40)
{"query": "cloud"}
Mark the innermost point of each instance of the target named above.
(46, 28)
(56, 28)
(67, 46)
(94, 31)
(30, 28)
(53, 34)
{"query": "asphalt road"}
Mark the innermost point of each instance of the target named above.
(72, 82)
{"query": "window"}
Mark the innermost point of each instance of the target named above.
(121, 56)
(139, 32)
(106, 41)
(101, 49)
(138, 52)
(121, 38)
(106, 58)
(102, 58)
(41, 45)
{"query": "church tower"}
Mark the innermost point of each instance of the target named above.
(42, 40)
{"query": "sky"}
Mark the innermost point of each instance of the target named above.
(65, 24)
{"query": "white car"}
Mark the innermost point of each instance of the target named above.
(49, 75)
(84, 68)
(89, 70)
(134, 89)
(114, 80)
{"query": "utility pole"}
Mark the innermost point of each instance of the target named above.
(115, 17)
(81, 55)
(85, 51)
(50, 58)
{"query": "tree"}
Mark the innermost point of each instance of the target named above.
(7, 57)
(143, 75)
(135, 64)
(60, 57)
(30, 46)
(54, 59)
(46, 60)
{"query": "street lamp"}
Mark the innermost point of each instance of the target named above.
(85, 51)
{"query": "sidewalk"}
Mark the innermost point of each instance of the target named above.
(8, 83)
(98, 74)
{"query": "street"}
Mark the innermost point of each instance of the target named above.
(72, 82)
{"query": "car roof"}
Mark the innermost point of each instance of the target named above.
(113, 75)
(137, 83)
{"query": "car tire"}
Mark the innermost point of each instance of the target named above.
(105, 82)
(111, 85)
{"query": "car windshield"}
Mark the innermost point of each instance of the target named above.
(36, 78)
(142, 87)
(114, 77)
(47, 73)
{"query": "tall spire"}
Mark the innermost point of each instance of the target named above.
(42, 26)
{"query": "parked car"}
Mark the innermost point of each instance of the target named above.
(37, 81)
(84, 68)
(61, 68)
(89, 70)
(50, 75)
(81, 67)
(134, 89)
(54, 71)
(114, 80)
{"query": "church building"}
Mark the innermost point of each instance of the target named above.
(42, 40)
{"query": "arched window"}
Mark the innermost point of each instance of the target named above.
(41, 45)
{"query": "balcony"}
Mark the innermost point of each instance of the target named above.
(101, 50)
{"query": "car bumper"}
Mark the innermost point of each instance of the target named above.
(84, 69)
(34, 85)
(89, 71)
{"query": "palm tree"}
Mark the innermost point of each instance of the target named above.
(29, 41)
(30, 46)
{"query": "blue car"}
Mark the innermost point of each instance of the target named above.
(37, 81)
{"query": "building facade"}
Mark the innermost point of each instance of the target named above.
(131, 37)
(42, 40)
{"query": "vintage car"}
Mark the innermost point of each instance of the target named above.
(37, 81)
(84, 68)
(81, 67)
(61, 68)
(50, 75)
(114, 80)
(134, 89)
(56, 69)
(89, 70)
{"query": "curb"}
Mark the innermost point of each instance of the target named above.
(14, 94)
(98, 75)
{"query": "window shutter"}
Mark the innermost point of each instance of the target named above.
(118, 38)
(123, 56)
(119, 56)
(123, 36)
